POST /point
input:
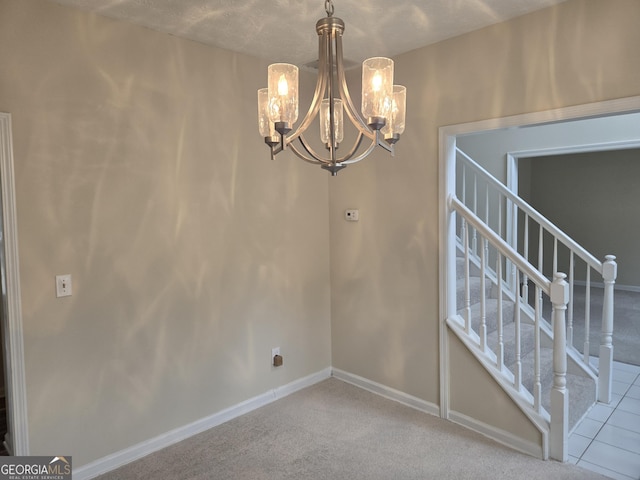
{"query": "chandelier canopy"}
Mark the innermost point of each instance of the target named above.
(383, 104)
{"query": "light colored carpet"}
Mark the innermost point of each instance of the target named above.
(626, 323)
(334, 430)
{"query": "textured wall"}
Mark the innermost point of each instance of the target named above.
(139, 170)
(384, 269)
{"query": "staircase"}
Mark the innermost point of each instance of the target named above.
(513, 308)
(581, 385)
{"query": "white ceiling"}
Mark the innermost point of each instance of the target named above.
(284, 30)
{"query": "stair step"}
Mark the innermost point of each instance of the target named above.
(473, 270)
(582, 389)
(491, 314)
(475, 291)
(527, 341)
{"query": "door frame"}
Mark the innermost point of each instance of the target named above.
(17, 439)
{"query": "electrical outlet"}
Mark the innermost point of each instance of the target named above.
(63, 285)
(352, 215)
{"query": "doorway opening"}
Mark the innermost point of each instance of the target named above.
(452, 137)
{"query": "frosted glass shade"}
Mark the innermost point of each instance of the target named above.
(265, 125)
(325, 123)
(397, 114)
(377, 87)
(283, 92)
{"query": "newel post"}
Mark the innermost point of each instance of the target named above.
(605, 365)
(558, 441)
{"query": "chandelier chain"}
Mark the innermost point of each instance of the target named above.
(328, 7)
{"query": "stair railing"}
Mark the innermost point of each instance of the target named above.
(499, 206)
(558, 293)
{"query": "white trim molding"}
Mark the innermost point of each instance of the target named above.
(387, 392)
(501, 436)
(128, 455)
(17, 440)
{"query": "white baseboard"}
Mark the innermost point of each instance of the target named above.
(387, 392)
(147, 447)
(500, 436)
(128, 455)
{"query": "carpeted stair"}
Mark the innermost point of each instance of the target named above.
(581, 387)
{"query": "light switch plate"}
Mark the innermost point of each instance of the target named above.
(63, 285)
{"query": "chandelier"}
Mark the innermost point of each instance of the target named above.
(383, 104)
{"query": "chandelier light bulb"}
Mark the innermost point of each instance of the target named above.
(377, 90)
(283, 93)
(376, 82)
(283, 88)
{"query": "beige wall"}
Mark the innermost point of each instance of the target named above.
(594, 197)
(384, 269)
(139, 170)
(490, 148)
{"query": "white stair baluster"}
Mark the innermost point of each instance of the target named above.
(587, 317)
(483, 300)
(525, 279)
(467, 287)
(559, 433)
(555, 255)
(605, 365)
(474, 242)
(540, 249)
(486, 219)
(464, 184)
(500, 353)
(518, 370)
(537, 384)
(570, 304)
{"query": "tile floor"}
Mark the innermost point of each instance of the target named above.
(608, 438)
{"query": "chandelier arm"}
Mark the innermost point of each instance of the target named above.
(313, 157)
(321, 86)
(381, 142)
(378, 141)
(362, 155)
(352, 113)
(354, 149)
(346, 159)
(275, 149)
(331, 88)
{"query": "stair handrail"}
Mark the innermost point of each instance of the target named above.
(503, 247)
(570, 243)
